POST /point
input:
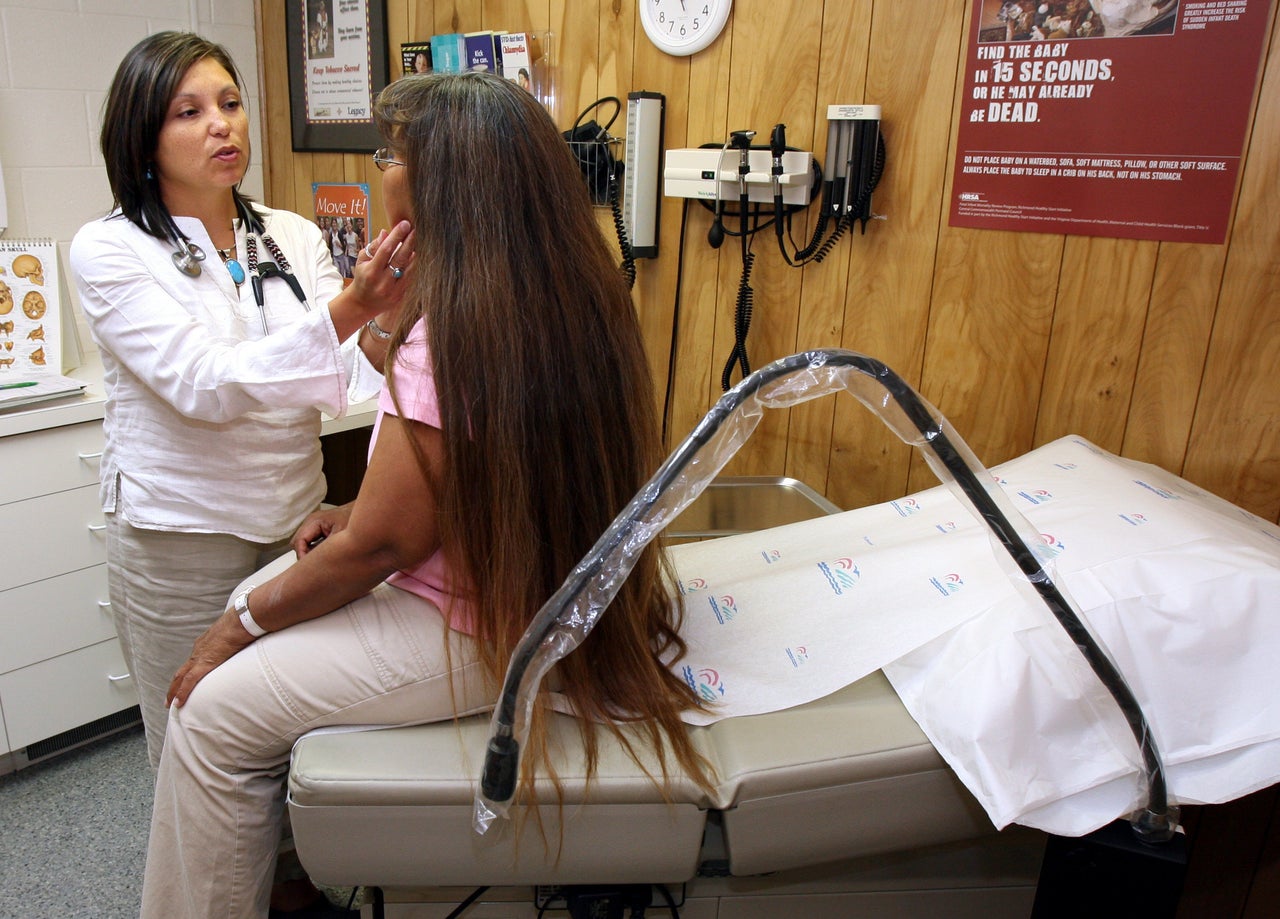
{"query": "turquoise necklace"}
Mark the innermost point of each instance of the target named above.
(228, 257)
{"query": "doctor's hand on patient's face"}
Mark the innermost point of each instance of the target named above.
(319, 525)
(381, 273)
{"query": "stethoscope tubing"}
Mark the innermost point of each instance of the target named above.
(188, 256)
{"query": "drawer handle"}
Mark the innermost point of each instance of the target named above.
(97, 527)
(89, 456)
(104, 604)
(118, 678)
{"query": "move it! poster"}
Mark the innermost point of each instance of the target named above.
(342, 214)
(1121, 118)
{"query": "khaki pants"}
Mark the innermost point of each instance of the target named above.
(220, 791)
(165, 590)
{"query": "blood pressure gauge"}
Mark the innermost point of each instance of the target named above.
(682, 27)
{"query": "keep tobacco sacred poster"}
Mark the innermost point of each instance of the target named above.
(1121, 118)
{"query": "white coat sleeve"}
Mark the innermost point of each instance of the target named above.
(363, 379)
(149, 331)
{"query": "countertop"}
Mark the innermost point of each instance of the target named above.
(90, 405)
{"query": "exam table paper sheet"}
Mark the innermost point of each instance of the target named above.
(1182, 588)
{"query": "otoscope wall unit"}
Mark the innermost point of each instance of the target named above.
(750, 188)
(708, 173)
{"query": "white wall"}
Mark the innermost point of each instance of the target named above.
(57, 58)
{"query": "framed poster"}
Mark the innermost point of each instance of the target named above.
(1120, 118)
(337, 65)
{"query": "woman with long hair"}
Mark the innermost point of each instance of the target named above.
(516, 422)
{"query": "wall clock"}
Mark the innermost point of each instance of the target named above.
(683, 26)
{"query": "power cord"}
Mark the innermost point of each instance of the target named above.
(741, 141)
(471, 898)
(619, 224)
(669, 394)
(741, 320)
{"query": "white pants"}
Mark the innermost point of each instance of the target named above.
(165, 590)
(220, 792)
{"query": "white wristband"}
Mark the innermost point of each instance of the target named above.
(241, 604)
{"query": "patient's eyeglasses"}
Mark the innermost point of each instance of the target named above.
(382, 158)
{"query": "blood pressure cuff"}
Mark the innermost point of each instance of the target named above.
(589, 144)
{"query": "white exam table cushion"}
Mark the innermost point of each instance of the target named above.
(393, 808)
(842, 777)
(845, 776)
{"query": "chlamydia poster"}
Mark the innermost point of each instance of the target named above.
(1120, 118)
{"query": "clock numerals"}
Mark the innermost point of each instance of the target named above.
(686, 28)
(689, 29)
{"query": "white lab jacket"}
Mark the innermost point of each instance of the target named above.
(211, 425)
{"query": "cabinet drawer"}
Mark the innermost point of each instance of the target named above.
(40, 462)
(65, 692)
(54, 616)
(44, 537)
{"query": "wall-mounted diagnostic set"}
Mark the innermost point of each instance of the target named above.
(757, 186)
(752, 185)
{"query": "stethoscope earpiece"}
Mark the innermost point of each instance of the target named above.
(187, 258)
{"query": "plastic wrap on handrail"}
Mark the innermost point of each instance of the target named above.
(570, 614)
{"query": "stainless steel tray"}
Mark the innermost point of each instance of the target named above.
(742, 504)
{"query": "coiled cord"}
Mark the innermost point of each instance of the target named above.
(619, 224)
(741, 325)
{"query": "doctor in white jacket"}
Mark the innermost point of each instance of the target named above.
(225, 331)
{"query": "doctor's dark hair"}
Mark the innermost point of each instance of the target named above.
(135, 111)
(548, 409)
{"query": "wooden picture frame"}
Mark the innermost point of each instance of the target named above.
(337, 65)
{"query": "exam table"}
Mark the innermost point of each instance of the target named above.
(838, 804)
(819, 786)
(841, 777)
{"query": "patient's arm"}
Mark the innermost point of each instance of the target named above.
(320, 525)
(391, 527)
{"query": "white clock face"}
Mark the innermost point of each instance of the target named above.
(683, 26)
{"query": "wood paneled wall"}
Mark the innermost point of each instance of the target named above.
(1158, 351)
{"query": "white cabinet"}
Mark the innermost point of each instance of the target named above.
(60, 664)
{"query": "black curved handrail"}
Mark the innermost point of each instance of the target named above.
(1155, 823)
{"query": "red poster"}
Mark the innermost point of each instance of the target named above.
(1120, 118)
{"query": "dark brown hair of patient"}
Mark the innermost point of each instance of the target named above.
(547, 405)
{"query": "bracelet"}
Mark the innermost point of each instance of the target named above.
(376, 330)
(241, 604)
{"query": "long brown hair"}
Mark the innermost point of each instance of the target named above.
(546, 400)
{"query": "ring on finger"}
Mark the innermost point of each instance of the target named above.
(396, 273)
(368, 250)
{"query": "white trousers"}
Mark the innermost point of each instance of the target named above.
(165, 590)
(220, 791)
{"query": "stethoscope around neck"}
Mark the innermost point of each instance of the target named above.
(187, 258)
